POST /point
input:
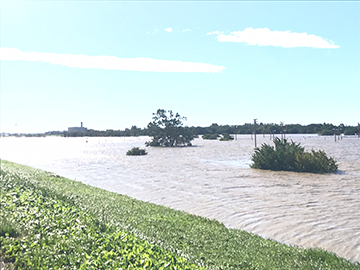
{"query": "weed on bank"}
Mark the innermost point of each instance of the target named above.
(41, 232)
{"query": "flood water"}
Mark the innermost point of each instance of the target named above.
(213, 179)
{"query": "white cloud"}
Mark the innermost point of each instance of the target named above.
(214, 33)
(186, 30)
(266, 37)
(108, 62)
(168, 29)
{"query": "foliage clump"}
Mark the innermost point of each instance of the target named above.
(226, 137)
(287, 156)
(136, 151)
(210, 136)
(167, 130)
(7, 228)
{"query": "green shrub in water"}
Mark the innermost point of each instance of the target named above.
(210, 136)
(226, 137)
(287, 156)
(136, 151)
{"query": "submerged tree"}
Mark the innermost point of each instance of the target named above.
(167, 130)
(287, 156)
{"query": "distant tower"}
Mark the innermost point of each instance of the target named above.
(81, 129)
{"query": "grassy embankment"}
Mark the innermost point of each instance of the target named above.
(48, 221)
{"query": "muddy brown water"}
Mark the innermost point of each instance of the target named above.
(213, 179)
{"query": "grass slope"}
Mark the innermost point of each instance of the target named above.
(200, 241)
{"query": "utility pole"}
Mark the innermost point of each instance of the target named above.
(255, 130)
(336, 132)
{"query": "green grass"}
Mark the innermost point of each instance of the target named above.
(56, 234)
(180, 237)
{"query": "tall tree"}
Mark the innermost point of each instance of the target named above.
(167, 130)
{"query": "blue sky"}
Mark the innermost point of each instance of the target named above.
(112, 64)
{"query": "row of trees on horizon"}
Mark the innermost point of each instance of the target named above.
(261, 128)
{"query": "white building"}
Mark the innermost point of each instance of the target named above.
(80, 129)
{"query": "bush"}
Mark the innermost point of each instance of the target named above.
(226, 137)
(287, 156)
(210, 136)
(136, 151)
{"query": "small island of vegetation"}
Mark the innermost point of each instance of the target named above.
(210, 136)
(286, 156)
(226, 137)
(136, 151)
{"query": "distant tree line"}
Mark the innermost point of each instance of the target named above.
(247, 128)
(133, 131)
(322, 129)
